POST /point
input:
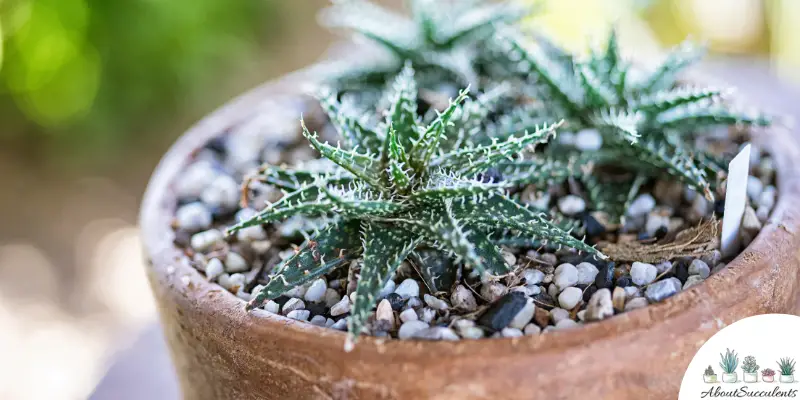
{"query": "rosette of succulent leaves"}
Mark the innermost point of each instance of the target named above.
(647, 119)
(403, 184)
(444, 39)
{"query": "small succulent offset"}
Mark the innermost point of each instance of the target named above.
(645, 119)
(443, 38)
(768, 372)
(749, 365)
(786, 366)
(709, 371)
(729, 361)
(399, 185)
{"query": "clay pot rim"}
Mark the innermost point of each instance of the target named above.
(168, 267)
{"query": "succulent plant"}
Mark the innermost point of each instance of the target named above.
(786, 366)
(443, 38)
(729, 361)
(768, 372)
(399, 185)
(646, 119)
(749, 365)
(709, 371)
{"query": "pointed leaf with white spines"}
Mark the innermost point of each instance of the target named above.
(308, 201)
(358, 202)
(402, 114)
(697, 116)
(662, 101)
(680, 57)
(443, 185)
(597, 93)
(330, 248)
(398, 173)
(538, 171)
(361, 165)
(428, 143)
(385, 247)
(355, 132)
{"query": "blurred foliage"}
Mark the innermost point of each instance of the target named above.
(88, 75)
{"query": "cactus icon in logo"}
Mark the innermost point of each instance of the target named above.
(728, 362)
(709, 376)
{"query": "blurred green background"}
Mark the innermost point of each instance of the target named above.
(93, 92)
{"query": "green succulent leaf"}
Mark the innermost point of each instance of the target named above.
(353, 131)
(361, 165)
(308, 201)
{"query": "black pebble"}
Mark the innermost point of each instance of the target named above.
(587, 294)
(624, 281)
(544, 301)
(182, 239)
(605, 277)
(281, 300)
(719, 207)
(218, 144)
(593, 227)
(573, 259)
(500, 314)
(396, 301)
(643, 236)
(681, 269)
(316, 308)
(661, 232)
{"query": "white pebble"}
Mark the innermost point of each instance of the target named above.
(214, 269)
(408, 315)
(558, 314)
(663, 266)
(410, 328)
(436, 333)
(426, 314)
(472, 332)
(194, 179)
(340, 325)
(511, 332)
(586, 273)
(524, 315)
(387, 289)
(493, 291)
(203, 241)
(223, 192)
(636, 302)
(571, 205)
(331, 297)
(643, 273)
(300, 315)
(754, 188)
(532, 329)
(232, 282)
(408, 288)
(251, 234)
(329, 322)
(316, 292)
(509, 258)
(435, 303)
(641, 205)
(272, 307)
(566, 275)
(193, 217)
(566, 324)
(600, 306)
(533, 276)
(292, 305)
(297, 291)
(235, 263)
(384, 313)
(661, 290)
(692, 280)
(767, 197)
(654, 222)
(342, 307)
(569, 298)
(699, 267)
(588, 140)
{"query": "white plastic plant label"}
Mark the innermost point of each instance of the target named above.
(735, 199)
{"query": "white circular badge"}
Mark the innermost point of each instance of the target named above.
(755, 358)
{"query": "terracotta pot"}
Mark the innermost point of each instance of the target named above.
(222, 352)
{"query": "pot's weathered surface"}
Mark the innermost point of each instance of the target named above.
(222, 352)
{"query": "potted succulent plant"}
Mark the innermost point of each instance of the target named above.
(728, 362)
(750, 369)
(768, 375)
(434, 220)
(709, 376)
(786, 366)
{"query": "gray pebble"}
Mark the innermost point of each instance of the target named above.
(318, 320)
(410, 328)
(331, 297)
(435, 303)
(754, 188)
(570, 297)
(408, 315)
(699, 267)
(463, 299)
(643, 273)
(426, 314)
(408, 288)
(511, 332)
(329, 323)
(532, 329)
(661, 290)
(762, 214)
(316, 292)
(586, 273)
(272, 307)
(693, 280)
(712, 258)
(509, 258)
(492, 291)
(387, 289)
(532, 276)
(194, 179)
(558, 314)
(340, 325)
(663, 267)
(300, 315)
(414, 302)
(472, 332)
(767, 197)
(571, 205)
(636, 302)
(655, 221)
(223, 192)
(193, 217)
(632, 291)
